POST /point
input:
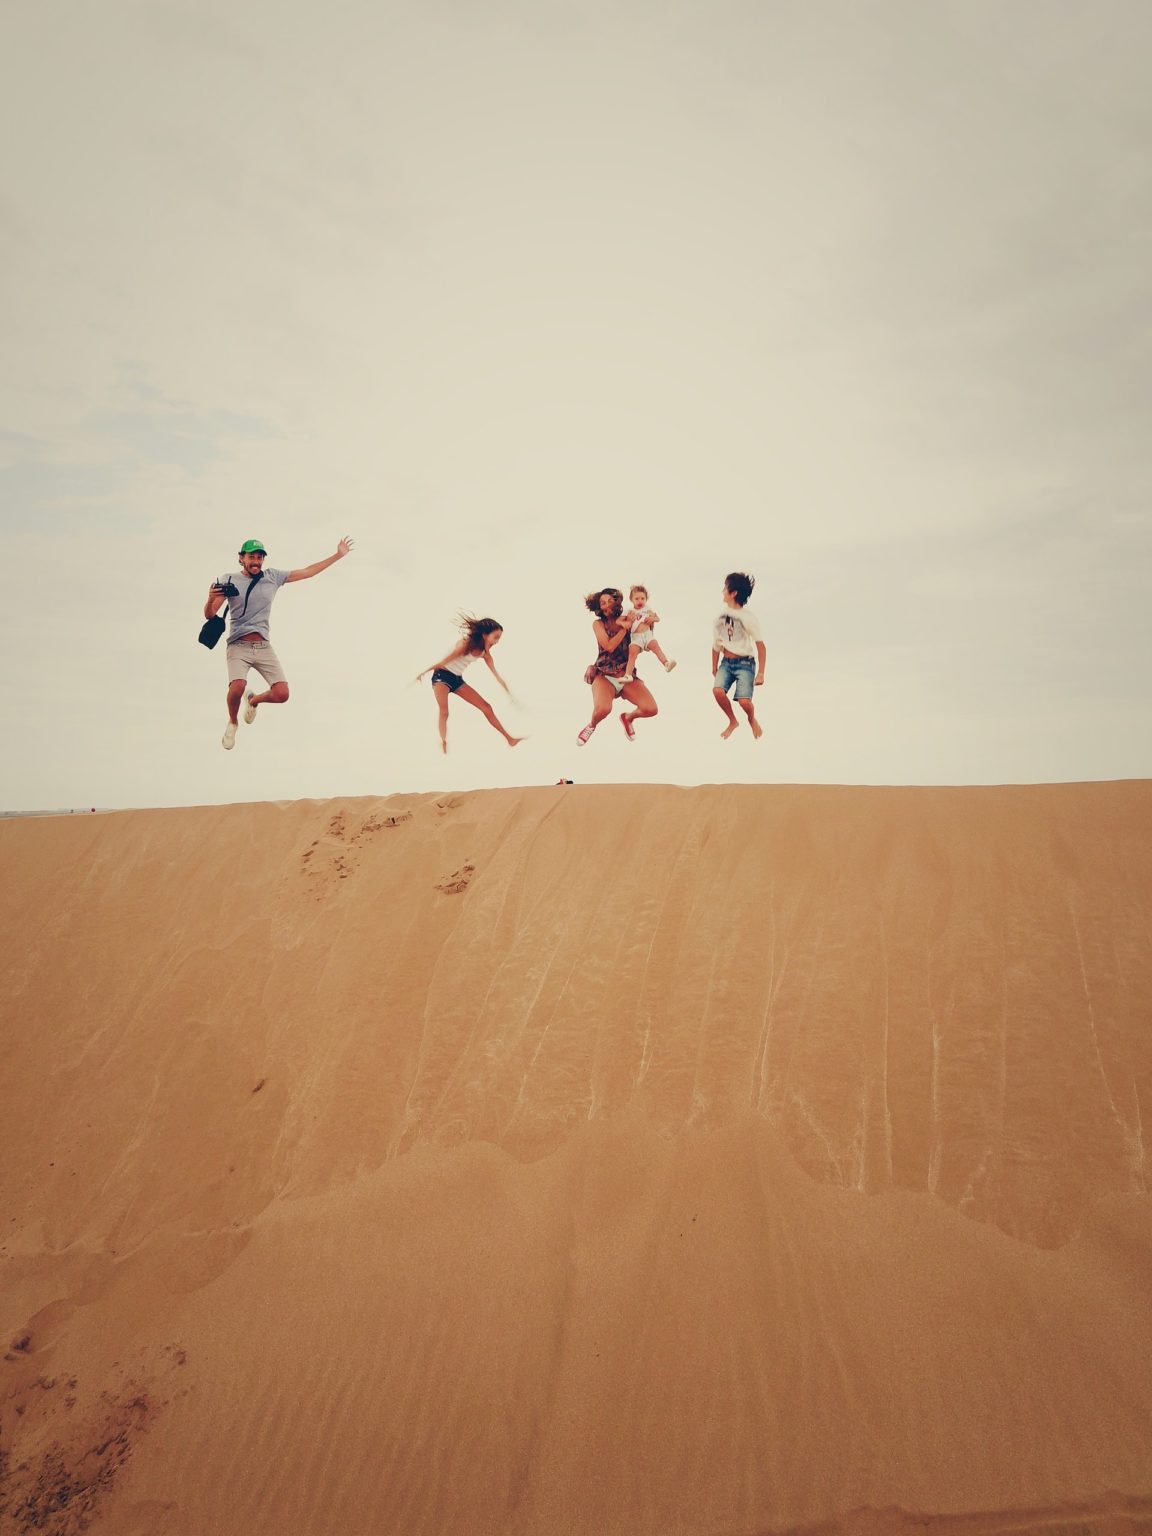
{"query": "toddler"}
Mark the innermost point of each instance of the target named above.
(642, 638)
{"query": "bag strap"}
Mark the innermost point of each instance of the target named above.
(258, 577)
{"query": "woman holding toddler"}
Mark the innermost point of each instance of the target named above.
(612, 628)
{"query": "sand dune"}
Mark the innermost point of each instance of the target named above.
(578, 1161)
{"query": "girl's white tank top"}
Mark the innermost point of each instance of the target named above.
(458, 664)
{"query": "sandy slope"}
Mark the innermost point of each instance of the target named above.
(580, 1160)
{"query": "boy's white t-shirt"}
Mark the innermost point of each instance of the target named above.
(642, 617)
(737, 630)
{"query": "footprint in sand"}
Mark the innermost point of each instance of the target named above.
(340, 861)
(337, 864)
(458, 881)
(66, 1486)
(393, 819)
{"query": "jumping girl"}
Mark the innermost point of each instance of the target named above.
(480, 635)
(612, 628)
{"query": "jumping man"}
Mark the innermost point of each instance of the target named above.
(249, 593)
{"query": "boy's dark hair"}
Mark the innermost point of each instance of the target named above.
(637, 587)
(592, 601)
(476, 629)
(740, 584)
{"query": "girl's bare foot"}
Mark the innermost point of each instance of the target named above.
(728, 729)
(757, 729)
(443, 745)
(514, 741)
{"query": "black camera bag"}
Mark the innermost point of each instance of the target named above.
(212, 629)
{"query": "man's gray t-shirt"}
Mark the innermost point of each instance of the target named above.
(252, 620)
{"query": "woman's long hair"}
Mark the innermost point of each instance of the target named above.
(475, 630)
(592, 601)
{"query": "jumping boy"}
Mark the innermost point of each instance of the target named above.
(735, 640)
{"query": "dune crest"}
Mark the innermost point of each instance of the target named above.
(580, 1160)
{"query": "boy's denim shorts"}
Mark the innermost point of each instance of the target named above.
(740, 670)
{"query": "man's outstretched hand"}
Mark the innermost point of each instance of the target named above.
(344, 548)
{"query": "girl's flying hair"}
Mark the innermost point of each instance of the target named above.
(592, 601)
(475, 630)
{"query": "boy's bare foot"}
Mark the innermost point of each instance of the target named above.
(757, 729)
(443, 745)
(514, 741)
(728, 729)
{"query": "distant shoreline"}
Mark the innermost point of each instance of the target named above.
(82, 810)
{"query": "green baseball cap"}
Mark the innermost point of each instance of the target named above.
(252, 547)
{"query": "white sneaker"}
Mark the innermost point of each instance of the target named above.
(669, 666)
(228, 740)
(250, 709)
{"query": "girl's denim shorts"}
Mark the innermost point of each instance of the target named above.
(453, 679)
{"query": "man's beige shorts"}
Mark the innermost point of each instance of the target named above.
(254, 653)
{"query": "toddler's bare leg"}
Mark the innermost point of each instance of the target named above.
(633, 652)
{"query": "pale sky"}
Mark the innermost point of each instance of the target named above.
(535, 298)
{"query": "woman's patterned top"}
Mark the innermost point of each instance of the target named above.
(612, 663)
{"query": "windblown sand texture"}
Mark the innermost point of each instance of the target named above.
(581, 1160)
